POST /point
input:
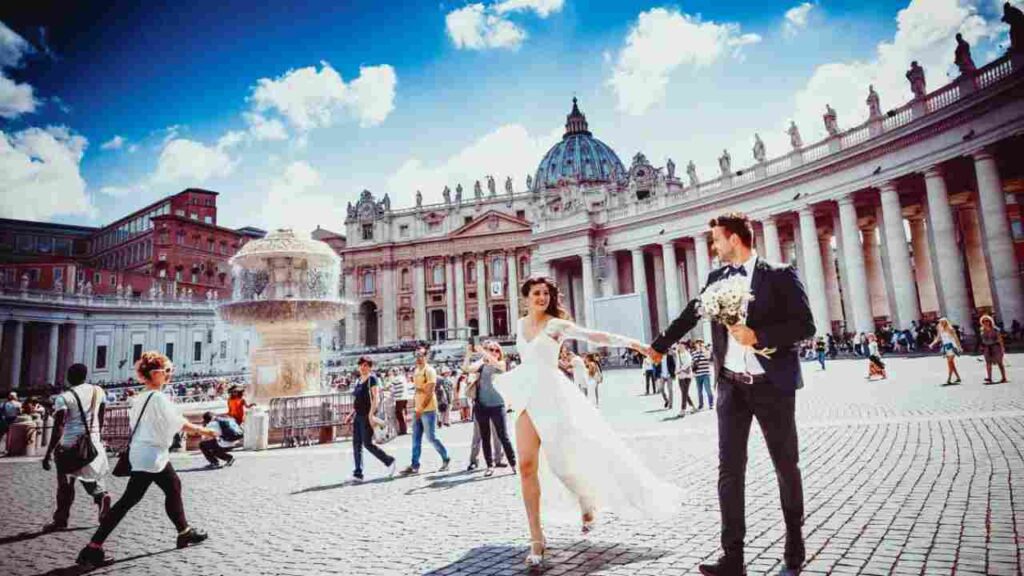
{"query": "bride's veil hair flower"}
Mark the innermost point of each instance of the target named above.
(555, 307)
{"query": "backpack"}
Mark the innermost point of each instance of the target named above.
(230, 431)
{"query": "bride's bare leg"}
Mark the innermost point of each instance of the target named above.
(527, 451)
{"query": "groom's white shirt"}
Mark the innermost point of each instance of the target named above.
(738, 357)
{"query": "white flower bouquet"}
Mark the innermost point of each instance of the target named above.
(726, 302)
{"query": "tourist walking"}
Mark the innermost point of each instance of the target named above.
(993, 347)
(586, 465)
(400, 393)
(819, 349)
(445, 391)
(666, 379)
(684, 371)
(951, 348)
(154, 420)
(365, 403)
(425, 421)
(875, 365)
(595, 376)
(702, 373)
(77, 414)
(650, 380)
(489, 406)
(9, 411)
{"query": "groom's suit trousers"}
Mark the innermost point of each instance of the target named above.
(738, 404)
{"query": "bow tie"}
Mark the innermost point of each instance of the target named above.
(733, 270)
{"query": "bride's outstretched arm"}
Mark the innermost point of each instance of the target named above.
(566, 329)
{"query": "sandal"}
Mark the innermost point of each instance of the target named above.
(535, 560)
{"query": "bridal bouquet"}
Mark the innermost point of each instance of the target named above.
(726, 301)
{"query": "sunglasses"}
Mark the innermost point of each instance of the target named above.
(167, 371)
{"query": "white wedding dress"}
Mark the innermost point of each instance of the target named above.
(583, 462)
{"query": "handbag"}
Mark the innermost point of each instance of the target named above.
(83, 451)
(124, 466)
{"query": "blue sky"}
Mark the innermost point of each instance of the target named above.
(290, 111)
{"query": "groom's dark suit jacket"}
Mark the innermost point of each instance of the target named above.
(779, 315)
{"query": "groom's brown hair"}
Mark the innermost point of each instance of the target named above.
(735, 223)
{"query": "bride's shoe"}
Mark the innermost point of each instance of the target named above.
(533, 559)
(589, 518)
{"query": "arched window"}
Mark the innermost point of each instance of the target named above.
(437, 274)
(470, 272)
(406, 283)
(368, 282)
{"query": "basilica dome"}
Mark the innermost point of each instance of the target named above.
(578, 157)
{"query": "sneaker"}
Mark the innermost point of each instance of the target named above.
(104, 507)
(409, 471)
(357, 478)
(54, 527)
(230, 462)
(212, 466)
(91, 557)
(501, 465)
(392, 468)
(445, 465)
(472, 466)
(190, 537)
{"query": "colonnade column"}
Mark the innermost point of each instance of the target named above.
(610, 286)
(950, 283)
(700, 247)
(904, 297)
(17, 346)
(926, 293)
(52, 355)
(449, 295)
(483, 317)
(1004, 277)
(587, 260)
(640, 286)
(419, 285)
(513, 292)
(772, 250)
(814, 277)
(460, 292)
(853, 267)
(660, 297)
(672, 295)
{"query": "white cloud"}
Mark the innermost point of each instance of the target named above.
(661, 41)
(190, 163)
(309, 98)
(476, 27)
(263, 128)
(925, 32)
(40, 174)
(796, 19)
(508, 150)
(296, 199)
(15, 99)
(115, 143)
(543, 8)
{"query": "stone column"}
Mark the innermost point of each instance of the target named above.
(610, 286)
(1007, 291)
(981, 287)
(672, 296)
(660, 297)
(828, 264)
(876, 279)
(950, 285)
(759, 241)
(693, 287)
(640, 286)
(854, 269)
(419, 286)
(389, 301)
(351, 320)
(449, 295)
(772, 250)
(589, 291)
(814, 278)
(483, 312)
(78, 355)
(17, 349)
(460, 292)
(52, 355)
(700, 244)
(926, 293)
(904, 297)
(844, 282)
(513, 292)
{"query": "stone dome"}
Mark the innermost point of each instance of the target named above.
(578, 157)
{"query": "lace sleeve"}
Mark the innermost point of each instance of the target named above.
(557, 327)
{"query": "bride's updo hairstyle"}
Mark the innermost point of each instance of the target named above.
(555, 307)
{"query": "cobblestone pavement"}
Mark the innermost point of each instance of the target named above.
(902, 476)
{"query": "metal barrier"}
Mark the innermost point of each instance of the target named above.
(116, 429)
(301, 418)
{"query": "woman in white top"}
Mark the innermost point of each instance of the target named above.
(951, 348)
(155, 421)
(563, 443)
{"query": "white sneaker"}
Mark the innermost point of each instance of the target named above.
(392, 468)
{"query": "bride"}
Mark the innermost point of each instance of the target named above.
(563, 443)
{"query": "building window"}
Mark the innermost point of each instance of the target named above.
(33, 275)
(96, 278)
(177, 275)
(101, 357)
(438, 275)
(223, 349)
(208, 219)
(1017, 228)
(169, 351)
(209, 245)
(467, 220)
(367, 231)
(179, 237)
(197, 351)
(470, 272)
(498, 268)
(521, 214)
(405, 279)
(524, 267)
(195, 277)
(136, 352)
(368, 283)
(58, 276)
(403, 231)
(434, 226)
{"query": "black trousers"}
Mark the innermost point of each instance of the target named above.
(684, 387)
(650, 382)
(774, 409)
(166, 479)
(362, 437)
(494, 415)
(214, 452)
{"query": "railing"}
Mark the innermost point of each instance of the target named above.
(898, 117)
(993, 72)
(780, 164)
(856, 135)
(95, 300)
(942, 97)
(816, 151)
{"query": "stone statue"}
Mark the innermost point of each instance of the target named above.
(120, 290)
(386, 202)
(916, 77)
(477, 190)
(159, 292)
(351, 210)
(1015, 18)
(725, 163)
(24, 282)
(962, 56)
(759, 153)
(490, 186)
(874, 105)
(831, 124)
(152, 288)
(88, 289)
(671, 167)
(794, 136)
(447, 195)
(458, 193)
(508, 185)
(419, 199)
(691, 173)
(529, 182)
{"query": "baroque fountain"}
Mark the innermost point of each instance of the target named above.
(283, 286)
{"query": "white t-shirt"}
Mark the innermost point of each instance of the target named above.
(151, 443)
(92, 398)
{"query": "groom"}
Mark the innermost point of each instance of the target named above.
(753, 386)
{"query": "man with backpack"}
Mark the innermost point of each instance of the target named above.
(229, 433)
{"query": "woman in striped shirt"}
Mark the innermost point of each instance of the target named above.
(702, 372)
